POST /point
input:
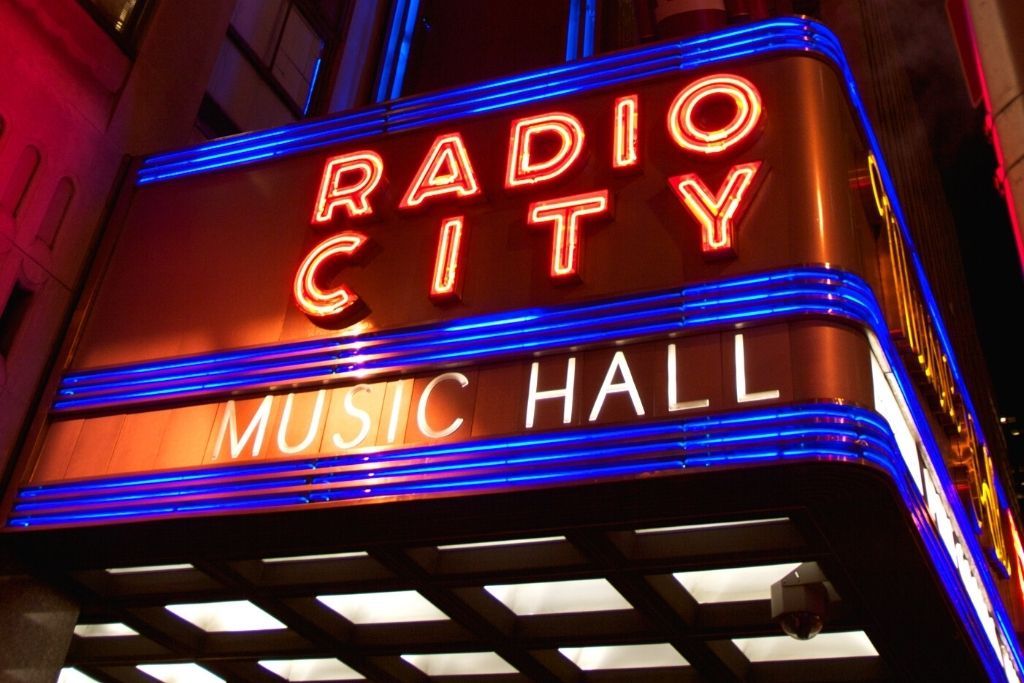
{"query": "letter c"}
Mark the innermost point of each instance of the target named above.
(421, 409)
(326, 304)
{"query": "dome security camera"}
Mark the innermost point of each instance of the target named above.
(800, 601)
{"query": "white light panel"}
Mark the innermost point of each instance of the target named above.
(179, 673)
(734, 583)
(234, 615)
(496, 544)
(310, 558)
(103, 630)
(149, 568)
(822, 646)
(461, 664)
(383, 608)
(69, 675)
(713, 525)
(649, 656)
(311, 670)
(557, 597)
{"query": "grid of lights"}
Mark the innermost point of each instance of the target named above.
(528, 600)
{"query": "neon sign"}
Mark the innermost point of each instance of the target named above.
(972, 468)
(542, 149)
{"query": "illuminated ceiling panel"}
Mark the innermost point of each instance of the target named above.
(555, 597)
(311, 670)
(153, 568)
(649, 656)
(313, 558)
(103, 630)
(734, 583)
(234, 615)
(822, 646)
(179, 673)
(460, 664)
(383, 608)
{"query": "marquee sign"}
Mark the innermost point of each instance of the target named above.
(633, 266)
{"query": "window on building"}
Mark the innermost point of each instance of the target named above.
(56, 211)
(120, 18)
(623, 23)
(12, 317)
(463, 41)
(13, 198)
(270, 65)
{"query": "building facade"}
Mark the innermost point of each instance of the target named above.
(570, 310)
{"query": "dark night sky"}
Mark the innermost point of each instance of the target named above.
(967, 163)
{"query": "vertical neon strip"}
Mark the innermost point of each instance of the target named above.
(403, 49)
(572, 35)
(396, 55)
(589, 27)
(312, 86)
(447, 274)
(391, 49)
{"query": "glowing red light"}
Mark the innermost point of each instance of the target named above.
(314, 301)
(565, 213)
(717, 212)
(347, 182)
(447, 271)
(523, 168)
(445, 171)
(690, 135)
(625, 143)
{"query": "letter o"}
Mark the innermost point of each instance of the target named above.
(693, 137)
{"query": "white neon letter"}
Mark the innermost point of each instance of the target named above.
(673, 388)
(741, 378)
(286, 416)
(354, 411)
(564, 394)
(257, 426)
(626, 385)
(421, 409)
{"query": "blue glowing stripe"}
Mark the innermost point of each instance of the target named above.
(589, 27)
(572, 35)
(782, 35)
(570, 453)
(312, 86)
(799, 292)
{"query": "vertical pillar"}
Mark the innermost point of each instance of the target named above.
(36, 624)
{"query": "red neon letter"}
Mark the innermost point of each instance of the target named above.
(691, 135)
(716, 213)
(447, 274)
(363, 170)
(445, 170)
(522, 169)
(625, 143)
(331, 303)
(565, 213)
